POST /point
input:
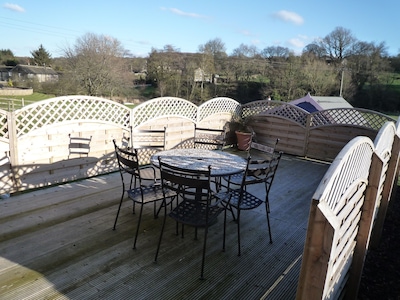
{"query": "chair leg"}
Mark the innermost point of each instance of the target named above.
(138, 225)
(233, 214)
(204, 252)
(162, 231)
(268, 222)
(238, 231)
(119, 208)
(223, 242)
(158, 211)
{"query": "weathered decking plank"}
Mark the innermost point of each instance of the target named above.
(59, 243)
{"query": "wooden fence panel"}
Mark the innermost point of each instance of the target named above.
(336, 210)
(291, 134)
(387, 144)
(325, 142)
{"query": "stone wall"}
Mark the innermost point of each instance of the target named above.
(7, 91)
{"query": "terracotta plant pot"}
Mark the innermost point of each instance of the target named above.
(243, 140)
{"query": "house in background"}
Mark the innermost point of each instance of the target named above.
(318, 103)
(39, 73)
(5, 73)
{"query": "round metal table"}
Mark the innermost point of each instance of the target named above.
(222, 163)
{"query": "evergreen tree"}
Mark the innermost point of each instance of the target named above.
(7, 58)
(41, 57)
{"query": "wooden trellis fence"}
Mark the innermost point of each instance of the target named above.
(35, 140)
(345, 209)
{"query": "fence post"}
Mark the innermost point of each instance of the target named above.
(307, 134)
(365, 227)
(387, 193)
(12, 139)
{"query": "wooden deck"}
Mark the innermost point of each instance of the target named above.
(58, 243)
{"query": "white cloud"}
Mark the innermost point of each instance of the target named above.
(14, 7)
(289, 16)
(296, 42)
(245, 32)
(184, 14)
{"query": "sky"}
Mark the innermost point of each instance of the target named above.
(141, 26)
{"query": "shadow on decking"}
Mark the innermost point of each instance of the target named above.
(58, 243)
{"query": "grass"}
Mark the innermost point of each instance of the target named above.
(15, 102)
(34, 97)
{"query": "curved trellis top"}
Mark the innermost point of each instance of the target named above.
(163, 106)
(278, 108)
(260, 106)
(70, 108)
(384, 141)
(349, 169)
(349, 116)
(217, 105)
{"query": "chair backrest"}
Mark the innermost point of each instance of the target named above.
(128, 161)
(269, 149)
(79, 145)
(189, 184)
(261, 170)
(209, 138)
(148, 142)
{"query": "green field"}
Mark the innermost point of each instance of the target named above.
(11, 103)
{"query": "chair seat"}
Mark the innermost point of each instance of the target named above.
(249, 201)
(237, 178)
(150, 194)
(193, 214)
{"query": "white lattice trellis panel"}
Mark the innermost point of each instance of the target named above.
(3, 125)
(217, 106)
(290, 112)
(163, 107)
(260, 106)
(70, 108)
(349, 116)
(352, 164)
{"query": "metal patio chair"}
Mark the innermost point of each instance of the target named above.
(147, 142)
(209, 138)
(258, 171)
(197, 207)
(140, 190)
(268, 153)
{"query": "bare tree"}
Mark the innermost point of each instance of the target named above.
(338, 44)
(214, 47)
(368, 64)
(314, 49)
(275, 52)
(318, 78)
(245, 61)
(96, 65)
(164, 68)
(217, 50)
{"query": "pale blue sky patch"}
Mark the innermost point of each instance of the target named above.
(141, 26)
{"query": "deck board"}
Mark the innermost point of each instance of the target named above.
(58, 243)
